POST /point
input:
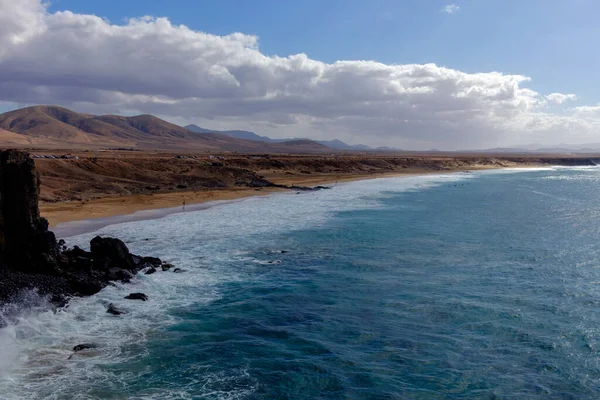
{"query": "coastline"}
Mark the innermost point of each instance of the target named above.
(117, 184)
(74, 218)
(63, 214)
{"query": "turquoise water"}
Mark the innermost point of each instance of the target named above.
(463, 286)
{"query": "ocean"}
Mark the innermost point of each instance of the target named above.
(481, 285)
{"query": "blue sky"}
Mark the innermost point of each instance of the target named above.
(491, 73)
(552, 41)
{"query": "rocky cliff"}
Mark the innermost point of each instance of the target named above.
(24, 235)
(30, 256)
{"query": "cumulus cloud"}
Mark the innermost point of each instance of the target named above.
(559, 98)
(451, 8)
(150, 65)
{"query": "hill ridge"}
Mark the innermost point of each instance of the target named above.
(55, 126)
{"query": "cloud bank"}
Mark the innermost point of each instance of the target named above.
(150, 65)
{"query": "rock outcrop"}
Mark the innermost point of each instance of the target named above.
(30, 256)
(24, 235)
(137, 296)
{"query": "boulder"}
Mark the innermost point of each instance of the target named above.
(137, 296)
(111, 252)
(167, 266)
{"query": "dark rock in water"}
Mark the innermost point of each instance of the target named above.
(111, 252)
(114, 310)
(85, 346)
(167, 266)
(178, 270)
(119, 274)
(137, 296)
(150, 271)
(157, 262)
(86, 286)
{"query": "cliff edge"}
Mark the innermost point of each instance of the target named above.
(30, 256)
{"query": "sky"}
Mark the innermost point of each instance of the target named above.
(414, 74)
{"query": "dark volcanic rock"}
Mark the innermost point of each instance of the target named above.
(85, 286)
(114, 310)
(150, 271)
(167, 266)
(137, 296)
(119, 274)
(157, 262)
(85, 346)
(30, 256)
(76, 251)
(111, 252)
(23, 233)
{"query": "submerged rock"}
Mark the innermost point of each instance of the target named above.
(155, 261)
(114, 310)
(167, 266)
(137, 296)
(178, 270)
(150, 271)
(85, 346)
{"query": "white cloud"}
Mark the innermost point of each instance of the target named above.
(152, 66)
(451, 8)
(559, 98)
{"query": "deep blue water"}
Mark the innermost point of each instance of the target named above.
(474, 286)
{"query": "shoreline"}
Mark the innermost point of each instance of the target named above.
(157, 206)
(71, 212)
(149, 207)
(116, 184)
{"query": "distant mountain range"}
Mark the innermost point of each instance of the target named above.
(57, 127)
(247, 135)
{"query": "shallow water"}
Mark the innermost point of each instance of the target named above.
(479, 285)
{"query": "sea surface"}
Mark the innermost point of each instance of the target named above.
(482, 285)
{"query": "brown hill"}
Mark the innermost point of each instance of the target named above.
(56, 127)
